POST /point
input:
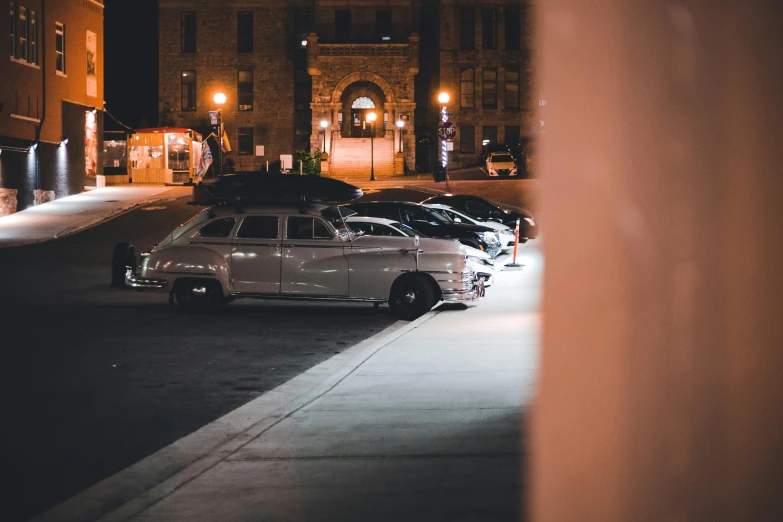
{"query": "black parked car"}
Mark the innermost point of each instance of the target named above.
(486, 210)
(431, 223)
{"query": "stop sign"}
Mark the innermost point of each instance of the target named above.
(447, 130)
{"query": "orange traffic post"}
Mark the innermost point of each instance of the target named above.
(513, 263)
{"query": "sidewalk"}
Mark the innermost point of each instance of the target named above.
(72, 214)
(425, 421)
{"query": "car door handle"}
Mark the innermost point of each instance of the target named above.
(411, 250)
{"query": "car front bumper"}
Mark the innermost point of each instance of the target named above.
(466, 288)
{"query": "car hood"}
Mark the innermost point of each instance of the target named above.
(502, 165)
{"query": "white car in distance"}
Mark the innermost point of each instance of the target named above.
(480, 262)
(458, 216)
(501, 164)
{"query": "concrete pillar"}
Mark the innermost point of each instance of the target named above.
(661, 384)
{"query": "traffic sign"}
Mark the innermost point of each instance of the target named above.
(447, 130)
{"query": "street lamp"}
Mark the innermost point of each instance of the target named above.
(371, 118)
(443, 98)
(220, 100)
(324, 125)
(400, 125)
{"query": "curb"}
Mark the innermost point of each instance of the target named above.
(136, 488)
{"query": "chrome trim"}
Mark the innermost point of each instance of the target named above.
(256, 244)
(312, 246)
(192, 273)
(294, 297)
(133, 281)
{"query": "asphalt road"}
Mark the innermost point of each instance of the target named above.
(96, 378)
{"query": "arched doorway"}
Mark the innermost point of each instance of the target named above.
(360, 108)
(359, 99)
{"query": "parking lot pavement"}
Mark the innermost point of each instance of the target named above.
(425, 421)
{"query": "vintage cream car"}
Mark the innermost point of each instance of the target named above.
(290, 251)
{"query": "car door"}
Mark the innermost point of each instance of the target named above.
(313, 261)
(255, 256)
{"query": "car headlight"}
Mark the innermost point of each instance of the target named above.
(490, 238)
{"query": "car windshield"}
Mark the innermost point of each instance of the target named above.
(502, 158)
(425, 215)
(335, 217)
(407, 230)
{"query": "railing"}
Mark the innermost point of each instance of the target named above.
(363, 49)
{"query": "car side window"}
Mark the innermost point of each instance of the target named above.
(300, 227)
(259, 227)
(476, 207)
(218, 228)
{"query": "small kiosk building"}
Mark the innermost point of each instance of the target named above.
(164, 155)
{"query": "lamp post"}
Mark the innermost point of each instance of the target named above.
(371, 119)
(400, 125)
(219, 100)
(324, 125)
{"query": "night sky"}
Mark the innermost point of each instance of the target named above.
(131, 62)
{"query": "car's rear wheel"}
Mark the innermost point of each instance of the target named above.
(411, 297)
(199, 295)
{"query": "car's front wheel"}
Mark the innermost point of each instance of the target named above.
(199, 295)
(411, 297)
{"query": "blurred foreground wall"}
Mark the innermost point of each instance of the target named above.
(661, 389)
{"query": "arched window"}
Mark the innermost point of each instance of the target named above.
(363, 102)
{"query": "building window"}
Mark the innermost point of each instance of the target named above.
(513, 25)
(466, 87)
(342, 25)
(245, 140)
(467, 28)
(33, 38)
(489, 136)
(59, 46)
(383, 25)
(467, 139)
(245, 90)
(188, 33)
(22, 31)
(512, 87)
(188, 90)
(512, 137)
(12, 30)
(245, 32)
(489, 88)
(490, 29)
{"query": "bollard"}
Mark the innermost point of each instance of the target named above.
(513, 264)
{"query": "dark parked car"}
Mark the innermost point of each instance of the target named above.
(487, 210)
(431, 223)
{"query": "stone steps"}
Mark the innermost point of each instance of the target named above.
(351, 157)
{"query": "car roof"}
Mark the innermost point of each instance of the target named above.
(265, 209)
(365, 219)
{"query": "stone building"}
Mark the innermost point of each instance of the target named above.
(51, 100)
(306, 75)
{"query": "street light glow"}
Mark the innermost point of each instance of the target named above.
(371, 116)
(400, 124)
(443, 97)
(220, 98)
(324, 124)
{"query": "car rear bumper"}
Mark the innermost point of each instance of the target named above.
(132, 280)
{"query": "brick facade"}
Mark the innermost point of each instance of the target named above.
(40, 106)
(305, 69)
